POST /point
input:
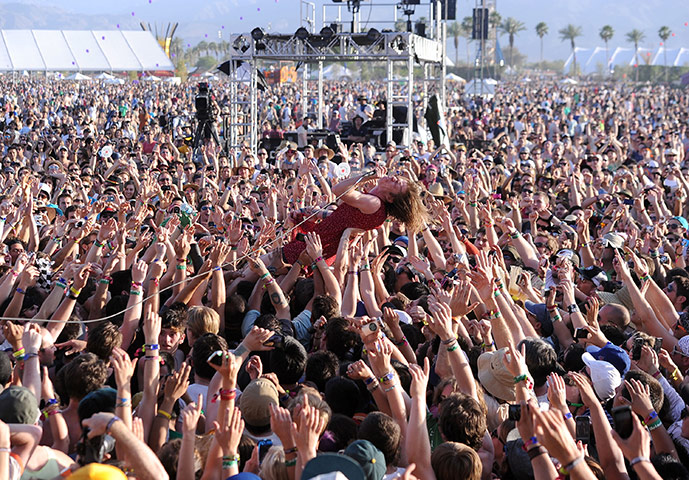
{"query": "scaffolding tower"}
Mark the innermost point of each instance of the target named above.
(395, 49)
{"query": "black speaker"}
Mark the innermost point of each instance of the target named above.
(448, 10)
(479, 30)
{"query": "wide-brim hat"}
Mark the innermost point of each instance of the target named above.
(243, 164)
(320, 151)
(494, 376)
(438, 192)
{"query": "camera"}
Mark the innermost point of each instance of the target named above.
(202, 102)
(93, 450)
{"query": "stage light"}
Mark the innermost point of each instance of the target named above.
(302, 33)
(327, 33)
(373, 35)
(257, 34)
(241, 44)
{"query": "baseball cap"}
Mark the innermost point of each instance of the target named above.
(18, 405)
(333, 462)
(604, 376)
(612, 354)
(540, 311)
(255, 400)
(594, 274)
(614, 240)
(369, 457)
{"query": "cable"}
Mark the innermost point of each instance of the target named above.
(237, 260)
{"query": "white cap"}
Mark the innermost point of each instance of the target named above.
(605, 377)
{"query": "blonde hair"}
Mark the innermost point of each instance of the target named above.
(273, 465)
(202, 320)
(408, 207)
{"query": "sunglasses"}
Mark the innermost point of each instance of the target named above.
(670, 288)
(206, 207)
(672, 226)
(678, 352)
(539, 244)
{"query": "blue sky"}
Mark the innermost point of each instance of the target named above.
(210, 18)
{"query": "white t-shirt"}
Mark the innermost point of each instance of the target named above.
(396, 474)
(195, 389)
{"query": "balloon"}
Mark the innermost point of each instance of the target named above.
(241, 18)
(118, 25)
(258, 9)
(661, 44)
(103, 37)
(132, 14)
(87, 50)
(673, 34)
(206, 35)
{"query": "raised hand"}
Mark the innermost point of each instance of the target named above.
(177, 383)
(190, 416)
(123, 367)
(359, 371)
(556, 392)
(152, 327)
(419, 380)
(139, 271)
(228, 369)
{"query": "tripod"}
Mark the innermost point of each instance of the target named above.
(205, 128)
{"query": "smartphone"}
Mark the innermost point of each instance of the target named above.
(581, 333)
(622, 420)
(216, 358)
(263, 447)
(514, 412)
(636, 349)
(583, 429)
(628, 201)
(658, 345)
(165, 188)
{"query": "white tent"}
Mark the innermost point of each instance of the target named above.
(81, 51)
(151, 78)
(454, 78)
(485, 88)
(334, 71)
(104, 76)
(569, 81)
(78, 76)
(114, 81)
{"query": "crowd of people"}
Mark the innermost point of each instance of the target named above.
(511, 304)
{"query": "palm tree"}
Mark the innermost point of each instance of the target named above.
(512, 27)
(213, 48)
(455, 30)
(202, 47)
(467, 27)
(541, 31)
(571, 33)
(636, 36)
(664, 33)
(606, 33)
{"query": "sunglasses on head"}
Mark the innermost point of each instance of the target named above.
(675, 351)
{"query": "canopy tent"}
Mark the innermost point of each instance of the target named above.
(81, 51)
(104, 76)
(592, 60)
(78, 76)
(454, 78)
(485, 88)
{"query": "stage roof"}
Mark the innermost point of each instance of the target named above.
(81, 51)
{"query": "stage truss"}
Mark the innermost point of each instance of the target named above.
(398, 50)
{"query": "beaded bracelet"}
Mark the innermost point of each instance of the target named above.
(137, 284)
(390, 388)
(231, 458)
(318, 259)
(268, 282)
(373, 387)
(585, 245)
(289, 451)
(352, 272)
(182, 260)
(401, 343)
(449, 341)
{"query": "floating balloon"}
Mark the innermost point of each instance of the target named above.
(87, 50)
(223, 27)
(206, 35)
(241, 18)
(673, 34)
(103, 37)
(258, 9)
(132, 14)
(661, 44)
(118, 25)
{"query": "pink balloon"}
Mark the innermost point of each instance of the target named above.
(673, 34)
(661, 44)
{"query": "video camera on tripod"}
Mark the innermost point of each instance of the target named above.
(205, 111)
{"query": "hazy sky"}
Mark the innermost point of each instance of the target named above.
(202, 18)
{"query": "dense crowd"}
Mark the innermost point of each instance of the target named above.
(512, 304)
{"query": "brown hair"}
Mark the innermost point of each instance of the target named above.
(462, 420)
(103, 339)
(452, 460)
(408, 207)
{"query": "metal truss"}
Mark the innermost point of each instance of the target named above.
(395, 48)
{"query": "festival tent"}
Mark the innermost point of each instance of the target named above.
(454, 78)
(81, 51)
(104, 76)
(592, 60)
(78, 76)
(485, 88)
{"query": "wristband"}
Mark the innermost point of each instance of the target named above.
(134, 292)
(122, 403)
(217, 269)
(137, 284)
(515, 235)
(102, 281)
(573, 308)
(181, 266)
(536, 452)
(291, 450)
(585, 245)
(636, 460)
(570, 466)
(155, 281)
(182, 260)
(291, 463)
(61, 285)
(352, 272)
(14, 274)
(318, 259)
(265, 275)
(675, 374)
(401, 343)
(568, 416)
(110, 424)
(228, 394)
(20, 290)
(19, 354)
(656, 424)
(369, 380)
(373, 387)
(74, 291)
(231, 458)
(98, 244)
(531, 441)
(390, 388)
(387, 377)
(151, 346)
(164, 414)
(449, 341)
(453, 347)
(520, 378)
(5, 450)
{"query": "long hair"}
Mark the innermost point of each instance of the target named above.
(408, 207)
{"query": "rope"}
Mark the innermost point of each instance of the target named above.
(247, 255)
